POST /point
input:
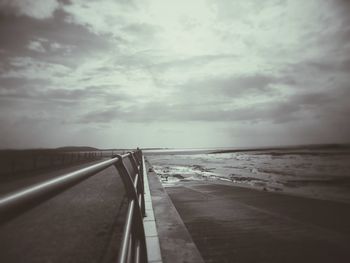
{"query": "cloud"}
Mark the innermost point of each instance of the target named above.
(332, 66)
(34, 89)
(36, 46)
(237, 86)
(64, 43)
(144, 31)
(38, 9)
(26, 67)
(295, 108)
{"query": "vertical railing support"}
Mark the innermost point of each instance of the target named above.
(138, 167)
(133, 234)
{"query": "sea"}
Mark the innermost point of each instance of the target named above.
(314, 171)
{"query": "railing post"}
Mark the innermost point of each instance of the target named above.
(137, 231)
(140, 184)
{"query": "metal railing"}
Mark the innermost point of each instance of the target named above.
(20, 162)
(131, 169)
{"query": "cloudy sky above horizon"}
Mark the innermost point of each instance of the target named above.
(185, 73)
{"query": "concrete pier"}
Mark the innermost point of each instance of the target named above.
(235, 224)
(176, 244)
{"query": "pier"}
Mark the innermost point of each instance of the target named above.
(117, 210)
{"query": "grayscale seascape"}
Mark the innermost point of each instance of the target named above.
(320, 173)
(172, 131)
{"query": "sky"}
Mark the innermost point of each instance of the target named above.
(164, 73)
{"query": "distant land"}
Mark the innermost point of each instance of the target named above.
(64, 149)
(77, 148)
(339, 146)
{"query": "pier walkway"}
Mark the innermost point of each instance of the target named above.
(82, 224)
(236, 224)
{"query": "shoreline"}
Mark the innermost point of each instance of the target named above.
(314, 176)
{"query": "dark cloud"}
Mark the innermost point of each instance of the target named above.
(64, 43)
(39, 10)
(14, 83)
(343, 9)
(319, 105)
(101, 116)
(235, 87)
(185, 112)
(319, 73)
(36, 89)
(329, 66)
(65, 2)
(20, 88)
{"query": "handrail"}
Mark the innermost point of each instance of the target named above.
(17, 162)
(133, 245)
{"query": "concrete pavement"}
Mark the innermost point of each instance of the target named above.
(82, 224)
(234, 224)
(176, 244)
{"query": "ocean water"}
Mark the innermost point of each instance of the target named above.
(322, 172)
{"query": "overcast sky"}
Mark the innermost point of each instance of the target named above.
(165, 73)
